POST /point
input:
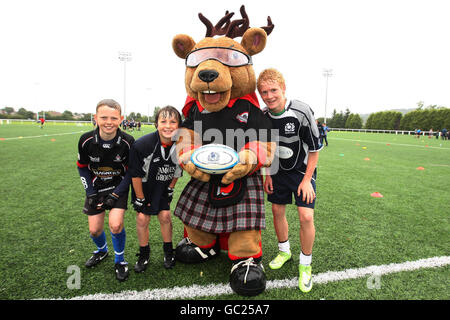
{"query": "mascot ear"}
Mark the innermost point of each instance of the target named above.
(254, 40)
(182, 44)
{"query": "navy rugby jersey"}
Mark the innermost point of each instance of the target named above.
(107, 161)
(154, 163)
(298, 135)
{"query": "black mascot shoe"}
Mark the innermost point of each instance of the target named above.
(188, 252)
(247, 277)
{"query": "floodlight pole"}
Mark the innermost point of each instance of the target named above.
(125, 57)
(148, 106)
(326, 73)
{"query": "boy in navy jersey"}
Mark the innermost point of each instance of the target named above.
(154, 172)
(102, 164)
(298, 148)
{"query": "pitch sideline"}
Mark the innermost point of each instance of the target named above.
(210, 290)
(43, 135)
(391, 143)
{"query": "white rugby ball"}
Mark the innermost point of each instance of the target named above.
(214, 158)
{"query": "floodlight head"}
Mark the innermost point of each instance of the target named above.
(124, 56)
(327, 72)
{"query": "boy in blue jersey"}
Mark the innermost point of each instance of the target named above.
(325, 131)
(154, 172)
(102, 164)
(298, 148)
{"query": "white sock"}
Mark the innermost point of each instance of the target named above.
(284, 246)
(305, 259)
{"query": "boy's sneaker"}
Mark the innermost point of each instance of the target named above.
(141, 264)
(121, 269)
(305, 279)
(280, 260)
(96, 258)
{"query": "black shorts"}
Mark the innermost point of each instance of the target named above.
(285, 184)
(120, 204)
(157, 204)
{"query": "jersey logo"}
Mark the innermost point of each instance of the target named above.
(289, 127)
(118, 158)
(242, 117)
(94, 159)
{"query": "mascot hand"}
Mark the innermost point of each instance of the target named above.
(195, 173)
(247, 163)
(185, 162)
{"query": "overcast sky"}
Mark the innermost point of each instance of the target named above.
(63, 54)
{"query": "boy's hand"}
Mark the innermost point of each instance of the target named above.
(170, 194)
(268, 185)
(138, 204)
(110, 201)
(93, 200)
(306, 189)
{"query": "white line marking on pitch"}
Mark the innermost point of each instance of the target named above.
(210, 290)
(391, 143)
(42, 136)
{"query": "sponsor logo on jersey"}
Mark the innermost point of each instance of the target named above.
(106, 172)
(165, 173)
(94, 159)
(242, 117)
(285, 152)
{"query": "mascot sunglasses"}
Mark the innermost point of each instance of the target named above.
(227, 56)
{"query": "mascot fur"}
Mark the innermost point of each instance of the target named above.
(224, 211)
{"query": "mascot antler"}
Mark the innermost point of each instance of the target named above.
(232, 29)
(219, 29)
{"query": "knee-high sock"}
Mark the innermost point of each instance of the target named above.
(118, 240)
(100, 242)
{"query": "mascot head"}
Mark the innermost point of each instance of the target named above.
(219, 69)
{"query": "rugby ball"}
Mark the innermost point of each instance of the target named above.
(214, 158)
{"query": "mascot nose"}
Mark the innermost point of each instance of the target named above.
(208, 75)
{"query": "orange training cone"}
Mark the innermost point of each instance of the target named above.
(377, 195)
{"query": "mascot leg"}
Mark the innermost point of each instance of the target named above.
(197, 247)
(247, 276)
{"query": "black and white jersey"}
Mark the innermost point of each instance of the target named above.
(234, 126)
(155, 163)
(297, 135)
(106, 160)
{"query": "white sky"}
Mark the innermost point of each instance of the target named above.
(63, 54)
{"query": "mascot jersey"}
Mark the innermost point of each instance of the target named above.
(242, 113)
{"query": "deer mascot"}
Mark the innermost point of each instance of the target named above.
(224, 211)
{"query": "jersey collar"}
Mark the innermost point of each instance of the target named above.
(118, 136)
(190, 101)
(286, 108)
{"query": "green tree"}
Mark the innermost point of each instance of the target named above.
(8, 110)
(354, 121)
(25, 114)
(67, 115)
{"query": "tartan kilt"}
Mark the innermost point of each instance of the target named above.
(195, 211)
